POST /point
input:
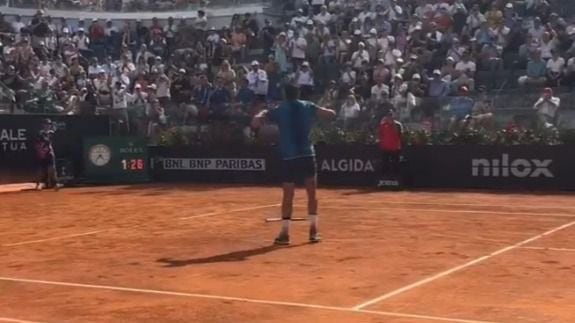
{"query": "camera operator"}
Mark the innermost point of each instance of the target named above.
(46, 157)
(546, 108)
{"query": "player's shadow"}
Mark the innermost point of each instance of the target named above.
(241, 255)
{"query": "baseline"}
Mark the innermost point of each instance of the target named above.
(237, 299)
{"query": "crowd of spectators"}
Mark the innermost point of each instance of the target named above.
(124, 5)
(361, 57)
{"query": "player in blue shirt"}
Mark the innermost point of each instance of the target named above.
(295, 119)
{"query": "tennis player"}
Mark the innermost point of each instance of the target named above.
(295, 119)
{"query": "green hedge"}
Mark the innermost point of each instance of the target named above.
(333, 135)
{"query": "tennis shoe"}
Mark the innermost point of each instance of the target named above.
(282, 240)
(314, 236)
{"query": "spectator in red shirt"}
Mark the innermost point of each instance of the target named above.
(390, 143)
(96, 31)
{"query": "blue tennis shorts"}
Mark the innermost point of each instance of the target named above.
(296, 170)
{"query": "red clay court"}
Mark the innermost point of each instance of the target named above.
(177, 253)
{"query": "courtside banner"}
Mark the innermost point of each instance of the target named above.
(215, 164)
(445, 167)
(17, 136)
(515, 167)
(231, 164)
(348, 165)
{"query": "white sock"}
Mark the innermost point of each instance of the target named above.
(313, 220)
(285, 227)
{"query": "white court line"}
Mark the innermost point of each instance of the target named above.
(550, 249)
(100, 231)
(236, 299)
(379, 208)
(54, 238)
(480, 205)
(10, 320)
(459, 268)
(253, 208)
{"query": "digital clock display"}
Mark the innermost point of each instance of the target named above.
(133, 164)
(116, 160)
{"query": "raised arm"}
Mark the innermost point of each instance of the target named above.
(259, 119)
(325, 113)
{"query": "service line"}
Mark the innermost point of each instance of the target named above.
(12, 320)
(253, 208)
(54, 238)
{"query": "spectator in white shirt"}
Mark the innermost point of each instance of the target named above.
(365, 13)
(537, 30)
(120, 106)
(94, 68)
(17, 26)
(379, 92)
(317, 4)
(349, 111)
(163, 92)
(299, 46)
(475, 19)
(305, 82)
(348, 76)
(82, 42)
(110, 28)
(555, 68)
(144, 53)
(360, 56)
(324, 16)
(547, 45)
(258, 80)
(44, 68)
(298, 19)
(546, 108)
(466, 64)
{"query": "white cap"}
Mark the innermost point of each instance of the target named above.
(255, 63)
(373, 31)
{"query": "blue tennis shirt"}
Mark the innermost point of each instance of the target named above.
(295, 120)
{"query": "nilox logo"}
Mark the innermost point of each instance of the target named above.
(507, 167)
